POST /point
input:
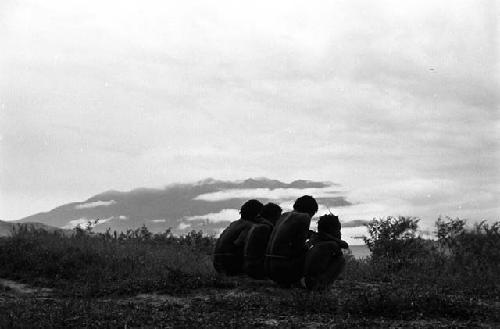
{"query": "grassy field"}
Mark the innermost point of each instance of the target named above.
(143, 280)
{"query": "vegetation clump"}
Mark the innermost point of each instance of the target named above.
(98, 264)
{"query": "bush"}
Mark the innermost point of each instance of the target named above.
(394, 244)
(480, 244)
(474, 255)
(461, 260)
(391, 237)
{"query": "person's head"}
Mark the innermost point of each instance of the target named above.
(330, 224)
(306, 204)
(271, 212)
(250, 209)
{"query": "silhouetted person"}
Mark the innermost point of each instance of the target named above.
(257, 239)
(228, 253)
(324, 260)
(286, 249)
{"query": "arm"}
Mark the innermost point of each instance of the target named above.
(303, 234)
(342, 244)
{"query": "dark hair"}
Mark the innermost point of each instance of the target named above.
(307, 204)
(329, 224)
(271, 212)
(250, 209)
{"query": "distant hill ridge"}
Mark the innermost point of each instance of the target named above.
(206, 205)
(6, 228)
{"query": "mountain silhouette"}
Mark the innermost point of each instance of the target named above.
(7, 228)
(208, 205)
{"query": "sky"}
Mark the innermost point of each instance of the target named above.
(396, 102)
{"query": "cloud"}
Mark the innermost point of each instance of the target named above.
(354, 223)
(352, 235)
(271, 194)
(225, 215)
(158, 220)
(95, 204)
(83, 222)
(413, 190)
(183, 226)
(363, 93)
(76, 222)
(424, 198)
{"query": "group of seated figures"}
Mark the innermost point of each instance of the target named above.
(264, 243)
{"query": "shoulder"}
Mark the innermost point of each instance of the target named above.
(299, 215)
(258, 230)
(302, 218)
(239, 224)
(263, 227)
(236, 223)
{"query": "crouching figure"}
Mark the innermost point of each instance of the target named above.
(257, 239)
(228, 253)
(286, 249)
(324, 260)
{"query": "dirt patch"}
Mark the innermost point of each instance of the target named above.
(23, 289)
(155, 299)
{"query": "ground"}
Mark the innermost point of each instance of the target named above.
(251, 304)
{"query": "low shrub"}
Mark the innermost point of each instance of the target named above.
(460, 260)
